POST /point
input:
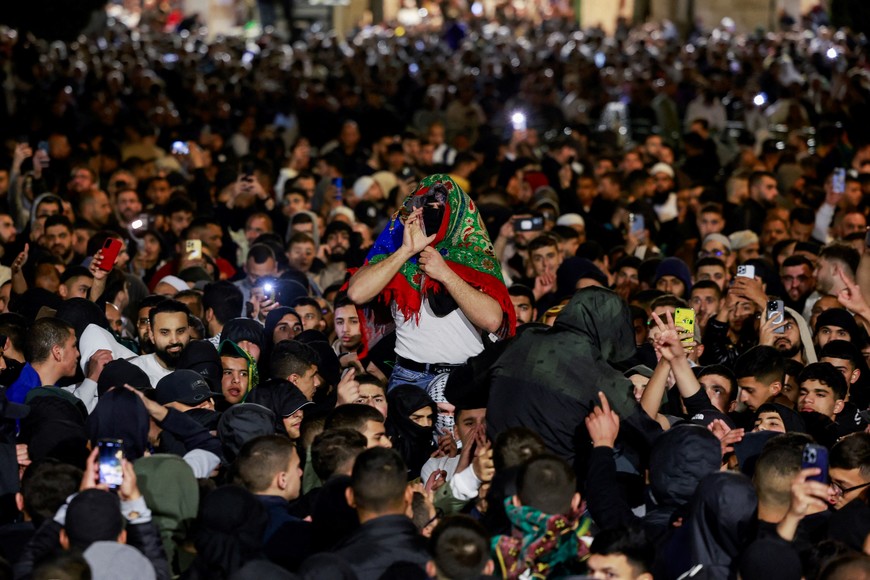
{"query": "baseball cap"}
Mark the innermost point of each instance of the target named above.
(202, 357)
(183, 386)
(119, 372)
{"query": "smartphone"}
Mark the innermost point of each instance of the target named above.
(111, 249)
(110, 455)
(269, 291)
(338, 182)
(529, 224)
(180, 148)
(248, 168)
(43, 146)
(816, 456)
(193, 249)
(685, 318)
(746, 272)
(518, 121)
(636, 224)
(838, 181)
(776, 309)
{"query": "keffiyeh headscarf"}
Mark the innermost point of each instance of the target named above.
(230, 348)
(462, 240)
(540, 541)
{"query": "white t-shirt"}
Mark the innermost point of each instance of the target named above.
(451, 339)
(152, 368)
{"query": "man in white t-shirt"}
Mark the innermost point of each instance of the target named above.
(169, 329)
(436, 267)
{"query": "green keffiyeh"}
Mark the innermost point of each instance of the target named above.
(463, 242)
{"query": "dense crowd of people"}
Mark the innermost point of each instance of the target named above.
(471, 300)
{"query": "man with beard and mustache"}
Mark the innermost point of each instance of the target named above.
(789, 342)
(336, 253)
(58, 239)
(169, 330)
(798, 280)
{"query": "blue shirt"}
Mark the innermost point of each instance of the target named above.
(28, 379)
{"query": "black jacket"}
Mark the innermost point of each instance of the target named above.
(144, 537)
(377, 546)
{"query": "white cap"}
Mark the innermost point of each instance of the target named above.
(175, 282)
(662, 168)
(343, 211)
(362, 185)
(571, 219)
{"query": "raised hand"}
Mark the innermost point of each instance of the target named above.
(414, 240)
(347, 389)
(726, 435)
(603, 424)
(666, 339)
(850, 296)
(484, 467)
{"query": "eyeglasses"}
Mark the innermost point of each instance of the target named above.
(841, 491)
(439, 513)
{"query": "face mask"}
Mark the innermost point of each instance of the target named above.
(432, 217)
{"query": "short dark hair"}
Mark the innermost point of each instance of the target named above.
(370, 379)
(826, 374)
(259, 253)
(842, 253)
(260, 459)
(307, 301)
(630, 541)
(543, 241)
(547, 483)
(460, 547)
(299, 238)
(722, 371)
(379, 480)
(75, 272)
(763, 363)
(45, 486)
(169, 305)
(797, 260)
(353, 416)
(852, 452)
(13, 326)
(522, 290)
(291, 357)
(668, 300)
(775, 468)
(224, 298)
(842, 349)
(58, 220)
(515, 446)
(802, 215)
(710, 261)
(756, 176)
(43, 335)
(707, 285)
(334, 448)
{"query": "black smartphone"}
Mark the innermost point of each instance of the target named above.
(111, 455)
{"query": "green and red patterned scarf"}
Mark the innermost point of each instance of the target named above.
(463, 242)
(540, 542)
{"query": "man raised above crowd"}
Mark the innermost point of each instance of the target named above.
(435, 268)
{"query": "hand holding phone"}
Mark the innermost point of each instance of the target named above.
(776, 310)
(111, 457)
(110, 252)
(684, 318)
(193, 249)
(816, 456)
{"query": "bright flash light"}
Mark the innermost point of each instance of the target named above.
(760, 99)
(832, 53)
